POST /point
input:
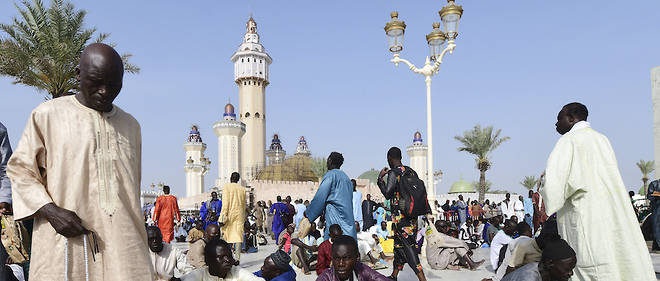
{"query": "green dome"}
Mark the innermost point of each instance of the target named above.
(462, 186)
(371, 175)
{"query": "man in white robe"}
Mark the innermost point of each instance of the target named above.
(76, 169)
(166, 260)
(584, 187)
(507, 207)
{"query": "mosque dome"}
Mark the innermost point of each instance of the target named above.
(462, 186)
(295, 168)
(371, 175)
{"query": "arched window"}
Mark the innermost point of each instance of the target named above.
(256, 115)
(242, 60)
(247, 114)
(248, 59)
(244, 83)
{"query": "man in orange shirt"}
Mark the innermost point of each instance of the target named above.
(166, 211)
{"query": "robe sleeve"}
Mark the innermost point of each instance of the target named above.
(27, 171)
(202, 211)
(317, 205)
(182, 262)
(222, 217)
(177, 213)
(558, 171)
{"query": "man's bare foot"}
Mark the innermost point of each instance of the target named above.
(477, 264)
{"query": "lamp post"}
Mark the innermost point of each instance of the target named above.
(450, 15)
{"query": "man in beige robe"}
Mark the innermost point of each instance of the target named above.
(594, 215)
(76, 169)
(232, 215)
(195, 253)
(446, 252)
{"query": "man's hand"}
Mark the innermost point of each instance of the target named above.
(5, 208)
(383, 172)
(65, 222)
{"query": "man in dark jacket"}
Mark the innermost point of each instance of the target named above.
(405, 228)
(368, 207)
(346, 265)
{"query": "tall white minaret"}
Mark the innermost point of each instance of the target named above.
(251, 63)
(229, 132)
(197, 165)
(418, 152)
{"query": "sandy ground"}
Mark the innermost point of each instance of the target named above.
(253, 262)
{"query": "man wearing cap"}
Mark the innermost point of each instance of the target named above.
(557, 263)
(276, 268)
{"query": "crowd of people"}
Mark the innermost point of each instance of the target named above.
(72, 188)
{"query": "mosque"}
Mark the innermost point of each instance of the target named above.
(265, 171)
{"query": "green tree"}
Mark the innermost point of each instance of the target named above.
(646, 167)
(529, 182)
(319, 166)
(481, 142)
(43, 46)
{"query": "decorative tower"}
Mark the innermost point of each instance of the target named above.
(276, 153)
(229, 132)
(197, 165)
(302, 148)
(418, 152)
(251, 64)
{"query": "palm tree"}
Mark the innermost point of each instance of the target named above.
(529, 182)
(646, 167)
(480, 142)
(489, 184)
(43, 47)
(320, 166)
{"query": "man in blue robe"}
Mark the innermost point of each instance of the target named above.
(652, 195)
(335, 196)
(210, 210)
(279, 209)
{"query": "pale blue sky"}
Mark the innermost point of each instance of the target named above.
(516, 63)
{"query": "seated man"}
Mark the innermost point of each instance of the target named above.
(346, 264)
(370, 249)
(221, 265)
(285, 239)
(446, 252)
(302, 250)
(525, 234)
(325, 249)
(195, 253)
(180, 233)
(530, 250)
(276, 268)
(249, 238)
(557, 263)
(386, 239)
(165, 259)
(503, 237)
(197, 232)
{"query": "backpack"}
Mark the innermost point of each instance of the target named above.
(412, 195)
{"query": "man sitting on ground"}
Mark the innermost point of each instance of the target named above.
(303, 249)
(530, 250)
(165, 259)
(325, 249)
(221, 265)
(525, 235)
(370, 249)
(446, 252)
(557, 263)
(503, 237)
(197, 232)
(276, 268)
(195, 254)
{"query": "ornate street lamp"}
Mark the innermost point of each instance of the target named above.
(450, 15)
(395, 30)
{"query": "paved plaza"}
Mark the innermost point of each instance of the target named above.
(253, 262)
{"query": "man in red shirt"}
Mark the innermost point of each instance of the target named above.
(165, 212)
(325, 249)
